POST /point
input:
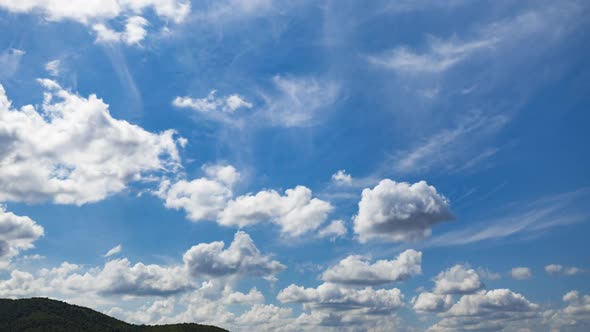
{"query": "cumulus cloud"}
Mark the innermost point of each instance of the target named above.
(521, 273)
(17, 233)
(79, 153)
(458, 279)
(113, 251)
(296, 212)
(560, 269)
(399, 211)
(203, 198)
(431, 302)
(575, 316)
(119, 277)
(486, 310)
(97, 13)
(342, 178)
(134, 32)
(487, 274)
(332, 297)
(213, 104)
(334, 230)
(242, 257)
(356, 270)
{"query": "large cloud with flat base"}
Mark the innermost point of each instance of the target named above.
(356, 270)
(72, 151)
(399, 211)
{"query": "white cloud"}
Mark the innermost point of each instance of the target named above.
(521, 273)
(430, 302)
(342, 178)
(356, 270)
(53, 67)
(575, 316)
(97, 14)
(17, 233)
(119, 277)
(569, 271)
(486, 310)
(203, 198)
(331, 297)
(79, 153)
(134, 32)
(240, 258)
(113, 251)
(297, 102)
(487, 274)
(441, 56)
(267, 317)
(212, 103)
(458, 279)
(399, 211)
(96, 10)
(335, 229)
(553, 268)
(296, 212)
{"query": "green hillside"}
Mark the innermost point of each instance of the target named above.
(41, 314)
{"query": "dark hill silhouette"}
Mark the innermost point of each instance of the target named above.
(47, 315)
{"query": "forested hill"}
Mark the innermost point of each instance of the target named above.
(42, 314)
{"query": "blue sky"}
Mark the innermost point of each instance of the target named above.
(299, 165)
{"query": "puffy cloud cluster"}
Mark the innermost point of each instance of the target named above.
(486, 310)
(17, 233)
(74, 151)
(333, 230)
(431, 302)
(356, 270)
(98, 12)
(330, 296)
(565, 270)
(399, 211)
(134, 32)
(457, 280)
(295, 213)
(119, 277)
(342, 178)
(210, 198)
(202, 198)
(242, 257)
(521, 273)
(575, 316)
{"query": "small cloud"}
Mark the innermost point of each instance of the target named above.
(334, 230)
(134, 32)
(113, 251)
(521, 273)
(487, 274)
(53, 67)
(554, 269)
(342, 178)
